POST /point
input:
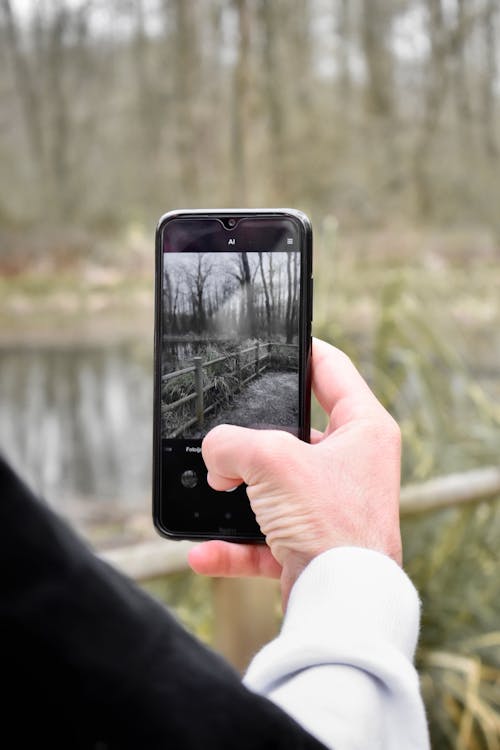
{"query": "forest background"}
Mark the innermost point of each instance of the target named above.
(380, 119)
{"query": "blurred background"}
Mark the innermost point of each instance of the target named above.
(381, 120)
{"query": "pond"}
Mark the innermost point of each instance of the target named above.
(76, 421)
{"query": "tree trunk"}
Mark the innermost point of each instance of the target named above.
(266, 297)
(435, 89)
(489, 79)
(376, 24)
(28, 92)
(289, 306)
(249, 300)
(343, 14)
(185, 65)
(273, 97)
(461, 88)
(239, 113)
(60, 126)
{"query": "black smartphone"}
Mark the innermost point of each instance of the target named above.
(232, 345)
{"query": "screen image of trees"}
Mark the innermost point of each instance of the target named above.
(230, 348)
(231, 296)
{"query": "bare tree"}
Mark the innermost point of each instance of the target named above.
(26, 86)
(185, 63)
(375, 33)
(149, 100)
(436, 86)
(461, 83)
(490, 75)
(273, 84)
(239, 110)
(197, 280)
(60, 126)
(343, 16)
(266, 295)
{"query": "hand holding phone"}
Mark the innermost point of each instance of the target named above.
(232, 345)
(342, 490)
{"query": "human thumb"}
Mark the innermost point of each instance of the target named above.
(235, 454)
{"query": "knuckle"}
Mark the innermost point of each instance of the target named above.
(211, 444)
(391, 437)
(276, 445)
(343, 357)
(384, 430)
(270, 451)
(393, 431)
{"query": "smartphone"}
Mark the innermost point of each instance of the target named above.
(232, 345)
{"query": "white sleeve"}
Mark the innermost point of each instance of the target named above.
(342, 665)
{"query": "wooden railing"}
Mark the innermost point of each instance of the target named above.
(244, 609)
(241, 364)
(156, 558)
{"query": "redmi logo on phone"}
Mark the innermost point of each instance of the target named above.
(231, 242)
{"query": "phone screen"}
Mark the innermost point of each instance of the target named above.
(231, 350)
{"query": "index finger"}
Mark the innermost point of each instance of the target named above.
(338, 385)
(218, 558)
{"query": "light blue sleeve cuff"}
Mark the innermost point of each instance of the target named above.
(342, 665)
(348, 603)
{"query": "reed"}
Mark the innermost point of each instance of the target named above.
(415, 325)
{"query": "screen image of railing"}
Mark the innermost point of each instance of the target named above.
(235, 370)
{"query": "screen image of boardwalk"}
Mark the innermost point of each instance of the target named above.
(230, 349)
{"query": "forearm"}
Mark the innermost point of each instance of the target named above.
(343, 663)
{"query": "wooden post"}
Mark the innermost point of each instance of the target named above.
(247, 615)
(257, 358)
(198, 386)
(238, 369)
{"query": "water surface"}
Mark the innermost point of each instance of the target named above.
(76, 420)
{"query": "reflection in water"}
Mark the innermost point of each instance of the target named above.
(76, 422)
